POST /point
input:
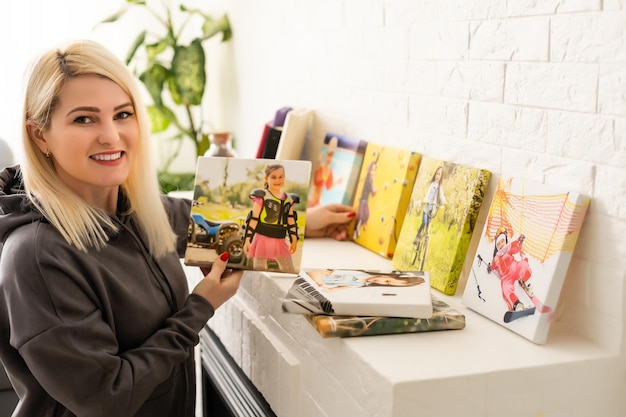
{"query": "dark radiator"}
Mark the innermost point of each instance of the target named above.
(226, 390)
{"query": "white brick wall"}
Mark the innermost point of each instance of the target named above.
(535, 89)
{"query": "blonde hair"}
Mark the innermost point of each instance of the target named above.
(81, 224)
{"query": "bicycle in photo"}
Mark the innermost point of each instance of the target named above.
(420, 243)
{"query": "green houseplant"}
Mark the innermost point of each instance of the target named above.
(174, 74)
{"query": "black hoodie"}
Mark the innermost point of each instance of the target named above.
(97, 333)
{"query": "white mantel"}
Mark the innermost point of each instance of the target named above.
(483, 370)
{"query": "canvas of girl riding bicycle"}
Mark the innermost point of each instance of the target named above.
(439, 221)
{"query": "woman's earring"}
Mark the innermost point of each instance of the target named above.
(47, 154)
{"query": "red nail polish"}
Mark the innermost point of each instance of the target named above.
(351, 214)
(224, 256)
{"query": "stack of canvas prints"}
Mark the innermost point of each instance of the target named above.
(360, 292)
(444, 317)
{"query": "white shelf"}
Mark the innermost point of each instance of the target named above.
(563, 346)
(483, 370)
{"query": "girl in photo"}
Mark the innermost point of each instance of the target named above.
(433, 199)
(271, 228)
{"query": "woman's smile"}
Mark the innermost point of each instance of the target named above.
(107, 157)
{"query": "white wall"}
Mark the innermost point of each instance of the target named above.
(525, 88)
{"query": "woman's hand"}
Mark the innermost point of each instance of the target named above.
(329, 220)
(219, 283)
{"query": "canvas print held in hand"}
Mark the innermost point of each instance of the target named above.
(254, 209)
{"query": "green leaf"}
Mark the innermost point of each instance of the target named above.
(168, 113)
(171, 85)
(212, 27)
(203, 144)
(189, 73)
(115, 16)
(159, 120)
(122, 11)
(153, 78)
(154, 49)
(139, 40)
(174, 181)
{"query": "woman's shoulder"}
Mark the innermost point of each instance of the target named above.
(25, 250)
(24, 242)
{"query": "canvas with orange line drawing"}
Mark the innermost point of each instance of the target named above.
(523, 255)
(382, 194)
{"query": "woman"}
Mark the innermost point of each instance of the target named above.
(96, 318)
(95, 315)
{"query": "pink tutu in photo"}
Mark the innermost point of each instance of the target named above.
(268, 247)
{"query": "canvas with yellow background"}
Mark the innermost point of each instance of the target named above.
(382, 195)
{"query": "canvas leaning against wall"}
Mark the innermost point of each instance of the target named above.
(523, 255)
(439, 221)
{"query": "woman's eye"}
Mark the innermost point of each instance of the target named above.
(82, 119)
(124, 115)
